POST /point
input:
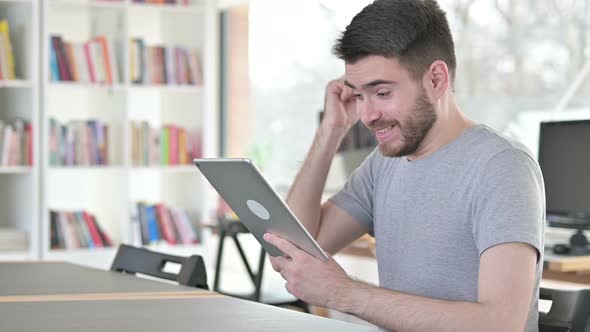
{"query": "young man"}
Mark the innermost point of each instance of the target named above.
(457, 210)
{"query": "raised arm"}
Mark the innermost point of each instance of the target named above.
(330, 225)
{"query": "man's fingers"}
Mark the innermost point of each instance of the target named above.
(278, 263)
(275, 263)
(346, 94)
(285, 246)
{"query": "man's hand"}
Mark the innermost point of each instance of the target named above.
(308, 278)
(339, 106)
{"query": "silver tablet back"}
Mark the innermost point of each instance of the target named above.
(256, 203)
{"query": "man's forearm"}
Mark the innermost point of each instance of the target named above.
(305, 195)
(398, 311)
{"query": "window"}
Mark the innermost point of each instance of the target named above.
(518, 62)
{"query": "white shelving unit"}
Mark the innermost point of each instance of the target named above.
(19, 98)
(16, 170)
(15, 84)
(107, 191)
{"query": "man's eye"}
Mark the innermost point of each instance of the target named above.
(358, 96)
(383, 94)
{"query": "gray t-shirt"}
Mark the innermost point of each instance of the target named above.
(432, 218)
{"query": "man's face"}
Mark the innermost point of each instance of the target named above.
(391, 103)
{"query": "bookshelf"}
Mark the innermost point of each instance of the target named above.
(109, 191)
(16, 170)
(19, 96)
(15, 84)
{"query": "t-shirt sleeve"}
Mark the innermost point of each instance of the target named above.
(509, 202)
(356, 198)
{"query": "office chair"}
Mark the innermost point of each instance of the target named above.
(133, 260)
(570, 310)
(232, 229)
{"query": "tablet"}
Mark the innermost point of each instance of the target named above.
(257, 204)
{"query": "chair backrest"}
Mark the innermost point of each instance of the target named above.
(133, 260)
(570, 310)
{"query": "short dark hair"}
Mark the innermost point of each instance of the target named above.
(415, 32)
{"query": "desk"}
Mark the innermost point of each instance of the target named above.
(565, 268)
(555, 267)
(200, 314)
(29, 281)
(54, 296)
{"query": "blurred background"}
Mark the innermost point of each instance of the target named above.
(519, 62)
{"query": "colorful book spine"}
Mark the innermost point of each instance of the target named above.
(103, 46)
(57, 44)
(71, 62)
(93, 61)
(53, 65)
(78, 143)
(183, 156)
(152, 224)
(93, 231)
(165, 148)
(159, 222)
(76, 229)
(165, 224)
(16, 143)
(169, 145)
(85, 231)
(8, 55)
(154, 64)
(89, 54)
(173, 145)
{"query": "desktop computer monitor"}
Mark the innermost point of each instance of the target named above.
(564, 157)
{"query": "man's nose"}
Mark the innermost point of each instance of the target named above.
(369, 113)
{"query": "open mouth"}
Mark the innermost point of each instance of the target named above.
(384, 130)
(384, 133)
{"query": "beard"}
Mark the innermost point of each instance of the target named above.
(413, 130)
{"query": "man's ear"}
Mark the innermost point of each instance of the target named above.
(437, 79)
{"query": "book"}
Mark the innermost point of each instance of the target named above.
(169, 145)
(135, 225)
(89, 55)
(71, 61)
(159, 64)
(6, 145)
(106, 239)
(92, 61)
(183, 155)
(185, 226)
(8, 55)
(18, 148)
(166, 226)
(56, 231)
(159, 221)
(165, 146)
(78, 143)
(62, 60)
(76, 229)
(172, 145)
(84, 230)
(105, 54)
(53, 65)
(29, 144)
(152, 224)
(143, 222)
(195, 68)
(72, 240)
(93, 230)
